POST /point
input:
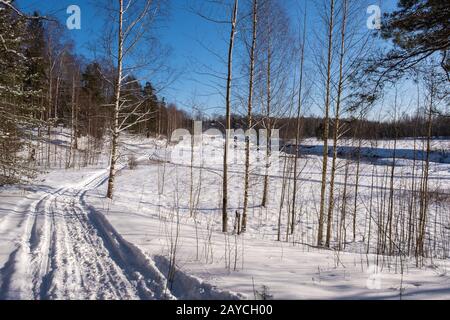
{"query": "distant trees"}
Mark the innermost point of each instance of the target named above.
(93, 119)
(312, 126)
(152, 105)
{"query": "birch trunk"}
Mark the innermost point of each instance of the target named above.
(249, 117)
(336, 127)
(326, 126)
(117, 88)
(298, 124)
(424, 192)
(228, 120)
(268, 125)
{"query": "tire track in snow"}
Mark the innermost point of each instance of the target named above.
(58, 256)
(82, 266)
(61, 255)
(68, 250)
(19, 274)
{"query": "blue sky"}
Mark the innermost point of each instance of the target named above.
(183, 32)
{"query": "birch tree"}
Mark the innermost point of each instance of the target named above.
(249, 113)
(233, 23)
(326, 121)
(134, 20)
(274, 70)
(17, 109)
(298, 124)
(336, 121)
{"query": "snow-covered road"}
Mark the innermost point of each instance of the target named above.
(54, 245)
(65, 252)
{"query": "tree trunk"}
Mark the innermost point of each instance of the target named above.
(117, 88)
(326, 126)
(249, 117)
(72, 136)
(424, 192)
(336, 127)
(298, 120)
(355, 203)
(268, 122)
(228, 120)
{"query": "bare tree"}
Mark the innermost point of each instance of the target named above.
(134, 21)
(73, 124)
(117, 87)
(336, 123)
(274, 72)
(298, 123)
(228, 119)
(432, 88)
(249, 114)
(330, 26)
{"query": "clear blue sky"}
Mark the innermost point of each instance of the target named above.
(183, 32)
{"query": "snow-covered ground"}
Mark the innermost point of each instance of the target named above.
(60, 238)
(379, 150)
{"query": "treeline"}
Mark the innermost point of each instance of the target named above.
(45, 84)
(405, 127)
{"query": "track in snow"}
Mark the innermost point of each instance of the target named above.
(67, 250)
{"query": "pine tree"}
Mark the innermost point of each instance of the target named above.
(419, 29)
(16, 111)
(150, 105)
(94, 94)
(36, 63)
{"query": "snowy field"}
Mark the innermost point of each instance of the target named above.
(160, 238)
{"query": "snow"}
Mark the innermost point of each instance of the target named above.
(379, 150)
(60, 238)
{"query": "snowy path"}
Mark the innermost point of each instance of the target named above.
(54, 245)
(66, 249)
(63, 253)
